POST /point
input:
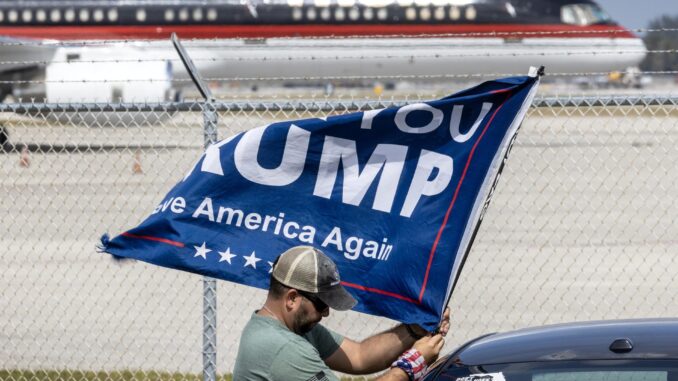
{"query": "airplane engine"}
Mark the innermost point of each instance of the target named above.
(107, 75)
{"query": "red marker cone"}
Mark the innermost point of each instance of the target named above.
(136, 168)
(24, 159)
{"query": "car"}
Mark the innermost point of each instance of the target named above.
(614, 350)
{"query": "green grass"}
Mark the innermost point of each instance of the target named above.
(77, 375)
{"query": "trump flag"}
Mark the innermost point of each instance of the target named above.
(394, 196)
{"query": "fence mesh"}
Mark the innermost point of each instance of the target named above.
(582, 226)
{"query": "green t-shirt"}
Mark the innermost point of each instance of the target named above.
(270, 351)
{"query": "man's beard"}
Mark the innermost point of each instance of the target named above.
(302, 323)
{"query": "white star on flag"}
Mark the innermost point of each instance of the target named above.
(201, 251)
(271, 269)
(226, 256)
(251, 260)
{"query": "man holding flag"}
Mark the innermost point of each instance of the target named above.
(394, 196)
(283, 340)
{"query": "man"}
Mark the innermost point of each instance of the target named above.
(283, 340)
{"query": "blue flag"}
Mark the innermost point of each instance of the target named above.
(394, 196)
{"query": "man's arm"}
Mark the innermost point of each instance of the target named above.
(377, 352)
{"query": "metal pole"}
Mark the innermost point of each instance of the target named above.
(209, 285)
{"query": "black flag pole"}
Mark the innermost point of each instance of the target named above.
(191, 69)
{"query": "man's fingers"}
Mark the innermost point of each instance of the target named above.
(444, 328)
(436, 339)
(445, 322)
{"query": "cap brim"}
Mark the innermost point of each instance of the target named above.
(338, 298)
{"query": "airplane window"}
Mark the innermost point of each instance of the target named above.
(325, 14)
(27, 15)
(69, 15)
(599, 14)
(212, 14)
(425, 14)
(368, 14)
(583, 14)
(141, 15)
(311, 14)
(197, 14)
(382, 14)
(296, 14)
(41, 15)
(339, 14)
(55, 15)
(12, 16)
(112, 15)
(455, 14)
(98, 15)
(568, 15)
(471, 13)
(439, 13)
(410, 14)
(84, 15)
(354, 14)
(183, 14)
(169, 14)
(2, 16)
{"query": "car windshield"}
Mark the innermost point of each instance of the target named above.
(583, 14)
(601, 370)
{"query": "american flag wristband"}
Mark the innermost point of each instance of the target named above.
(412, 363)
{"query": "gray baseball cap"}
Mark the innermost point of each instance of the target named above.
(308, 269)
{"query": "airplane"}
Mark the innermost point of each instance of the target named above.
(106, 51)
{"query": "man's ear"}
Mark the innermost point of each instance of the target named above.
(292, 299)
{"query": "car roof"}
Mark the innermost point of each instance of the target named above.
(650, 339)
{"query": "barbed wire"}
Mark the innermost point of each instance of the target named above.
(314, 105)
(419, 76)
(328, 78)
(339, 58)
(193, 41)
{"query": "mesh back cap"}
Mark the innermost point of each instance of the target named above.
(306, 268)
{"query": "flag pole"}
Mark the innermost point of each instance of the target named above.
(537, 72)
(209, 317)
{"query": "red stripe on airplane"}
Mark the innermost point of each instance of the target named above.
(92, 32)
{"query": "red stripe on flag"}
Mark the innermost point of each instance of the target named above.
(156, 239)
(454, 199)
(382, 292)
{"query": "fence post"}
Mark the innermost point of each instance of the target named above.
(209, 318)
(209, 285)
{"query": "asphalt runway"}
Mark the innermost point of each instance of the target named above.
(582, 227)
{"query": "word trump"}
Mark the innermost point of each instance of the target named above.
(384, 166)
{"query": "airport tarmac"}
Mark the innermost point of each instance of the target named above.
(582, 227)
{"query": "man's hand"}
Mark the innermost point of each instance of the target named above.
(445, 323)
(443, 328)
(429, 347)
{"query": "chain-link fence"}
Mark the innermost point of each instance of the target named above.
(582, 226)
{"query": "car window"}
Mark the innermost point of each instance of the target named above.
(649, 375)
(595, 370)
